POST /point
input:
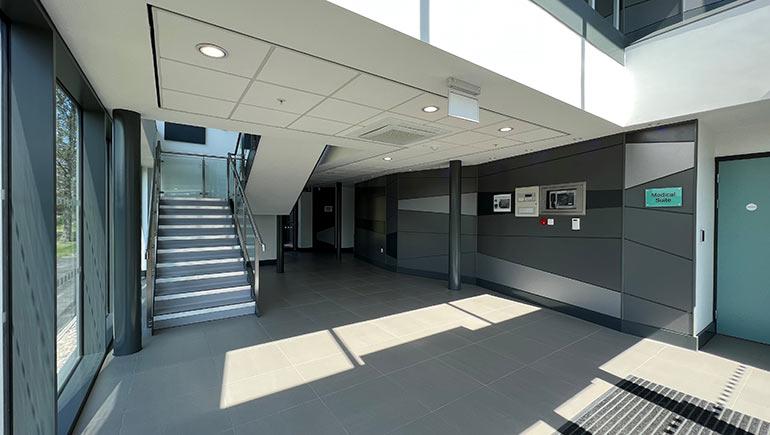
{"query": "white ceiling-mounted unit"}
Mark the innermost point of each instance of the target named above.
(463, 100)
(398, 132)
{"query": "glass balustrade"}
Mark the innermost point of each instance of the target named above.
(193, 176)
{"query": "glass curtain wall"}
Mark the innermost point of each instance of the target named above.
(68, 264)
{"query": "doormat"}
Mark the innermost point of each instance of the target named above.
(638, 406)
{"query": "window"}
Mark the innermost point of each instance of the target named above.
(68, 282)
(184, 133)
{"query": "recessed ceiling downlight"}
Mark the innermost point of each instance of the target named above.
(505, 129)
(387, 159)
(430, 109)
(211, 50)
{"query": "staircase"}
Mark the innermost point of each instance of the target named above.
(200, 271)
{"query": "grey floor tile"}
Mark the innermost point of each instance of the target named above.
(308, 418)
(431, 424)
(397, 357)
(480, 363)
(374, 407)
(518, 347)
(434, 383)
(334, 373)
(485, 412)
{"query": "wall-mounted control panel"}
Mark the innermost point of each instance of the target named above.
(527, 201)
(501, 203)
(563, 199)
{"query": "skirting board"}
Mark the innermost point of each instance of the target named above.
(707, 334)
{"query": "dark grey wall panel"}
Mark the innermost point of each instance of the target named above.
(411, 245)
(685, 180)
(671, 232)
(604, 222)
(660, 316)
(601, 169)
(94, 232)
(682, 132)
(658, 276)
(542, 283)
(416, 221)
(32, 230)
(547, 155)
(419, 187)
(594, 261)
(439, 264)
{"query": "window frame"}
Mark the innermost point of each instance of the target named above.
(60, 386)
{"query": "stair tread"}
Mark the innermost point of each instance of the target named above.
(190, 306)
(198, 269)
(177, 287)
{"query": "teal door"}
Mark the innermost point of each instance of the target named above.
(743, 249)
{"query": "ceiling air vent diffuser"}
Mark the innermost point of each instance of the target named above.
(398, 132)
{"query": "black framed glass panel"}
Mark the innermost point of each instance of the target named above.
(68, 258)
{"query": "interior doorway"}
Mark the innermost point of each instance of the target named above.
(323, 218)
(743, 247)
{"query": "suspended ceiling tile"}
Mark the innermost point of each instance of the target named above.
(343, 111)
(269, 96)
(318, 125)
(496, 143)
(307, 73)
(376, 92)
(486, 117)
(466, 138)
(178, 36)
(517, 126)
(184, 102)
(200, 81)
(535, 135)
(383, 115)
(260, 115)
(414, 107)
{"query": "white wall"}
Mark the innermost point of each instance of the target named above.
(348, 216)
(145, 192)
(743, 139)
(218, 142)
(519, 40)
(266, 225)
(716, 62)
(305, 218)
(704, 221)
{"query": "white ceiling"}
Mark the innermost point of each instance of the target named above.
(326, 65)
(264, 84)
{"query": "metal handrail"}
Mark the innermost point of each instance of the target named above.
(152, 239)
(237, 179)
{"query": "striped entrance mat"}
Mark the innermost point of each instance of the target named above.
(637, 406)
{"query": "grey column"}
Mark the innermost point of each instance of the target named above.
(32, 229)
(455, 195)
(338, 219)
(127, 231)
(279, 243)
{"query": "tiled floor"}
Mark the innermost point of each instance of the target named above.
(352, 349)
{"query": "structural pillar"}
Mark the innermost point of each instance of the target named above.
(279, 243)
(455, 216)
(338, 220)
(127, 231)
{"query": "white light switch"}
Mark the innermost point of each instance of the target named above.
(550, 221)
(575, 224)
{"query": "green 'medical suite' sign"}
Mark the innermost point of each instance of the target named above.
(663, 197)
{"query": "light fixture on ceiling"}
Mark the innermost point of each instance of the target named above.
(211, 50)
(430, 109)
(504, 129)
(387, 159)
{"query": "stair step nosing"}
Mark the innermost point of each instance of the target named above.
(195, 216)
(198, 249)
(199, 276)
(192, 313)
(210, 292)
(194, 207)
(189, 226)
(205, 237)
(180, 198)
(172, 264)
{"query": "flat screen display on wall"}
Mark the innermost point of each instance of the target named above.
(184, 133)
